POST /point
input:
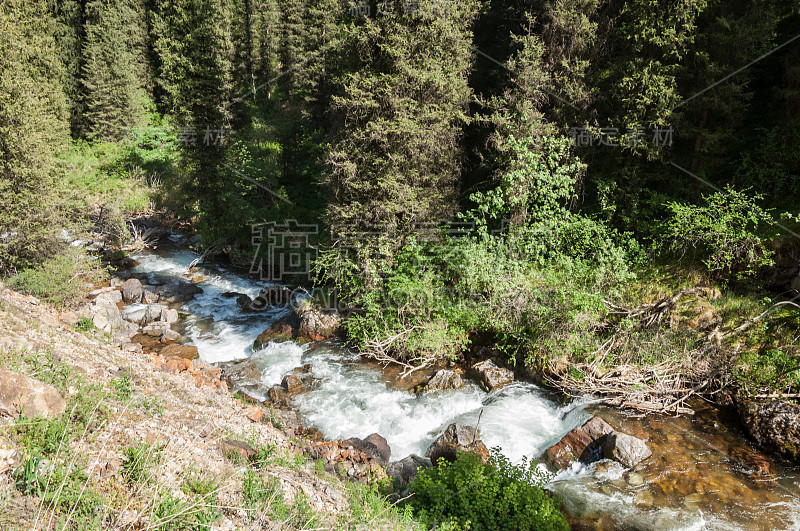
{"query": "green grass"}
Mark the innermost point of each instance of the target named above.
(140, 459)
(62, 279)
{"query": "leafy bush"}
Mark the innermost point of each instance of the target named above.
(723, 232)
(62, 279)
(770, 370)
(526, 286)
(468, 494)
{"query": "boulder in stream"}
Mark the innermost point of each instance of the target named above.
(492, 375)
(181, 292)
(457, 438)
(132, 290)
(625, 449)
(299, 380)
(316, 324)
(443, 380)
(592, 441)
(774, 424)
(584, 443)
(278, 332)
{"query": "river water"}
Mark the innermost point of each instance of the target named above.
(695, 479)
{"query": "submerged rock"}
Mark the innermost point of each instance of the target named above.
(775, 425)
(22, 395)
(443, 380)
(457, 438)
(492, 375)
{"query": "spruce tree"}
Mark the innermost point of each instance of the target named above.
(194, 43)
(33, 125)
(113, 71)
(400, 113)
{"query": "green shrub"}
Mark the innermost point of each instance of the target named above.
(62, 279)
(65, 491)
(535, 287)
(468, 494)
(768, 371)
(124, 385)
(723, 232)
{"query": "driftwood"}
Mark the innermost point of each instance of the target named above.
(381, 350)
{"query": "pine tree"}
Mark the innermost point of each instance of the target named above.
(113, 71)
(33, 124)
(400, 114)
(194, 43)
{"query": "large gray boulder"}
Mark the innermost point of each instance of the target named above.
(443, 380)
(132, 290)
(22, 395)
(625, 449)
(584, 443)
(492, 375)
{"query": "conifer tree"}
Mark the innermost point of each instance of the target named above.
(400, 113)
(33, 124)
(194, 43)
(113, 71)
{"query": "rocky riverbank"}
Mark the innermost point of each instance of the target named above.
(162, 399)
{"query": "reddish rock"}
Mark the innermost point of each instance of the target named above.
(584, 443)
(22, 395)
(237, 450)
(254, 413)
(177, 365)
(175, 350)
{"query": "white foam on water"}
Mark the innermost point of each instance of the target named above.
(215, 324)
(352, 400)
(277, 359)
